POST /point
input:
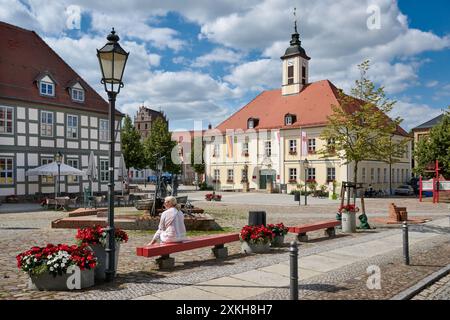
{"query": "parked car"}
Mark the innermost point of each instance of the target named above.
(404, 190)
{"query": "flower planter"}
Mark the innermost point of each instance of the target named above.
(277, 241)
(100, 253)
(348, 222)
(255, 247)
(48, 282)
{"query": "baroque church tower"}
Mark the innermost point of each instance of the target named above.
(295, 66)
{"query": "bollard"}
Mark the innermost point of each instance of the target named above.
(405, 243)
(293, 255)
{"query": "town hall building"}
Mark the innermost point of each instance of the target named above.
(272, 142)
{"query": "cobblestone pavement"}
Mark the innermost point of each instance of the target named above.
(138, 276)
(439, 290)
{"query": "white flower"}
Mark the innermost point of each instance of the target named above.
(62, 265)
(64, 260)
(56, 265)
(51, 269)
(35, 260)
(49, 257)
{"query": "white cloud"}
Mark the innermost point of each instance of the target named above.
(413, 114)
(216, 56)
(256, 75)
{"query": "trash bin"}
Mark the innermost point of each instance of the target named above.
(256, 218)
(297, 196)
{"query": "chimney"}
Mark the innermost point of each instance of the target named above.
(209, 126)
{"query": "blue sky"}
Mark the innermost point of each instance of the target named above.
(202, 60)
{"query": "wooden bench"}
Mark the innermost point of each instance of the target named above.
(303, 229)
(163, 250)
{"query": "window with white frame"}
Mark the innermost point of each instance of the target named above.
(331, 174)
(47, 88)
(311, 174)
(230, 175)
(216, 150)
(398, 175)
(268, 148)
(77, 95)
(245, 148)
(292, 146)
(385, 179)
(6, 120)
(292, 174)
(47, 124)
(6, 170)
(311, 145)
(244, 175)
(103, 130)
(363, 177)
(47, 179)
(288, 120)
(393, 175)
(378, 175)
(403, 176)
(104, 170)
(372, 174)
(72, 127)
(407, 175)
(250, 124)
(73, 163)
(216, 175)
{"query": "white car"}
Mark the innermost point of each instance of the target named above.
(404, 190)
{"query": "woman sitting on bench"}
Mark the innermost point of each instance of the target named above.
(171, 226)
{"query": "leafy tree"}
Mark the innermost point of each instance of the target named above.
(359, 128)
(435, 147)
(159, 144)
(132, 149)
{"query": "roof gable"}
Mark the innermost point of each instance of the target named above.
(26, 58)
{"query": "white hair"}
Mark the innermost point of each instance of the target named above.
(173, 201)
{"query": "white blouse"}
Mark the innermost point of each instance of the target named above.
(171, 226)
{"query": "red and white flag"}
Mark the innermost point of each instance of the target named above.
(304, 144)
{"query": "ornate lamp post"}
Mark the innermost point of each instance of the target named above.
(58, 160)
(112, 59)
(306, 165)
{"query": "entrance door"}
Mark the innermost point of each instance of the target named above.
(265, 177)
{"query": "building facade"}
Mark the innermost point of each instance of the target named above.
(144, 119)
(264, 145)
(45, 108)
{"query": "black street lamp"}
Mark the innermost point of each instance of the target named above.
(58, 160)
(112, 59)
(306, 165)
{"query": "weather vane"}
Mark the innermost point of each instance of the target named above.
(295, 19)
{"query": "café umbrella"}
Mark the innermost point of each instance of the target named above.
(51, 169)
(91, 171)
(123, 172)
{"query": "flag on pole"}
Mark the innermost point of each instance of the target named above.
(230, 146)
(304, 143)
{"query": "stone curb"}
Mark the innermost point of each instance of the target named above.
(412, 291)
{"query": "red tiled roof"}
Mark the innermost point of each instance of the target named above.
(311, 108)
(24, 57)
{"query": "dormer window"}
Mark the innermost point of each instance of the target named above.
(47, 88)
(78, 95)
(252, 123)
(46, 84)
(289, 119)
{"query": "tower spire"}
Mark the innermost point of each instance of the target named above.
(295, 20)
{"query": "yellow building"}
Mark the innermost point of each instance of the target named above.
(267, 141)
